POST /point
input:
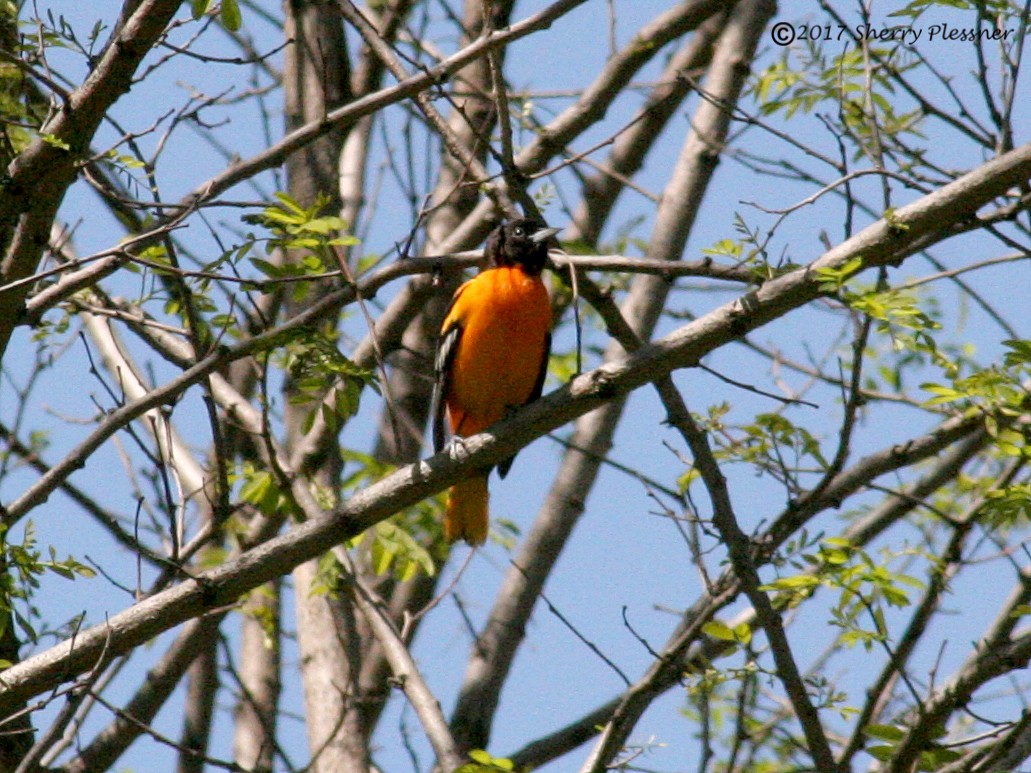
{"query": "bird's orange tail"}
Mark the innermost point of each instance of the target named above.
(466, 514)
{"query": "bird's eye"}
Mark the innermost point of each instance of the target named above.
(519, 231)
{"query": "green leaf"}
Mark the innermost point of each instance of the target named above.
(937, 757)
(382, 556)
(230, 15)
(684, 481)
(291, 204)
(882, 753)
(884, 732)
(743, 633)
(894, 596)
(55, 141)
(63, 571)
(727, 248)
(198, 8)
(328, 576)
(1019, 354)
(945, 394)
(393, 547)
(482, 762)
(792, 583)
(256, 489)
(832, 278)
(718, 630)
(838, 542)
(326, 224)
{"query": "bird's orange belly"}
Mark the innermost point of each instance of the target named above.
(500, 352)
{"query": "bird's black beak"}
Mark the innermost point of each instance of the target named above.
(543, 235)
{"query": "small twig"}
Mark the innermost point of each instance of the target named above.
(756, 390)
(644, 642)
(408, 628)
(577, 323)
(165, 740)
(573, 629)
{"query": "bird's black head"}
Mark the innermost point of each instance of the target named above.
(522, 242)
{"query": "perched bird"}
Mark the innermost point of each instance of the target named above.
(491, 357)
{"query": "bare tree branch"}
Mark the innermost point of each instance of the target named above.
(878, 244)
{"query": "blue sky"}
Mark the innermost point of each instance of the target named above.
(621, 555)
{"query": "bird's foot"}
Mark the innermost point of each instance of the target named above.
(456, 449)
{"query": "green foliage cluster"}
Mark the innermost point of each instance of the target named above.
(408, 543)
(886, 739)
(24, 564)
(812, 76)
(308, 236)
(228, 12)
(864, 587)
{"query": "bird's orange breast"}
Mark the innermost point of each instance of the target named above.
(505, 316)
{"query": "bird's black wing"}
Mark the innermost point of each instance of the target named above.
(538, 387)
(446, 348)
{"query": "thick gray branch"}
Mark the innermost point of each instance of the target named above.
(879, 244)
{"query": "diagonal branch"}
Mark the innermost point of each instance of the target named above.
(742, 558)
(879, 244)
(27, 209)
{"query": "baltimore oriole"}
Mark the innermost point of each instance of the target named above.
(492, 357)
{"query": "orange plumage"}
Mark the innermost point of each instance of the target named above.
(492, 357)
